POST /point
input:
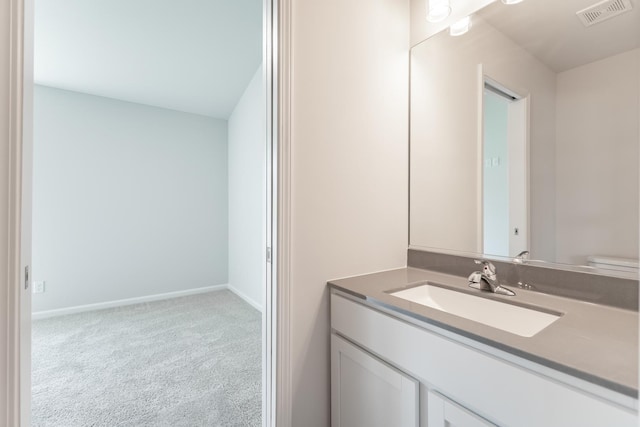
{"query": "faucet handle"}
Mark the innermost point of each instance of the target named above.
(487, 266)
(485, 262)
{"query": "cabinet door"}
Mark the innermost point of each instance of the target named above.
(443, 413)
(367, 392)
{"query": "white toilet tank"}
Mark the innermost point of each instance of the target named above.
(613, 263)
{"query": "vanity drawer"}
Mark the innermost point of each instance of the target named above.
(491, 387)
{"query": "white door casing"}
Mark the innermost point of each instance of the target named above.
(16, 407)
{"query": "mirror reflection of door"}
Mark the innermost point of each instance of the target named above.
(505, 168)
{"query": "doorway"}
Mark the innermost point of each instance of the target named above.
(267, 274)
(505, 167)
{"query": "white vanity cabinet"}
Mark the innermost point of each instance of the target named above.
(444, 413)
(383, 364)
(367, 392)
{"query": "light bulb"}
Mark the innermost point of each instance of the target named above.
(460, 27)
(439, 10)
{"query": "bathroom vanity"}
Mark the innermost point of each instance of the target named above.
(396, 362)
(516, 145)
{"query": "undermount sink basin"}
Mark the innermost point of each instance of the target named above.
(512, 318)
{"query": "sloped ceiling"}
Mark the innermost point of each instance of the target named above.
(551, 31)
(195, 56)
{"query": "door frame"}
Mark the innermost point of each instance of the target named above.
(518, 113)
(18, 345)
(278, 60)
(276, 406)
(485, 74)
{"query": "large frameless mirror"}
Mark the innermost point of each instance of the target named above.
(525, 134)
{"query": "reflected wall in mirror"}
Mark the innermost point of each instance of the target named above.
(525, 135)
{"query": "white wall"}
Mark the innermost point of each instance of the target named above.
(597, 159)
(247, 186)
(129, 200)
(349, 168)
(445, 88)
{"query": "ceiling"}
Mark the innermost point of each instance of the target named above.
(195, 56)
(552, 32)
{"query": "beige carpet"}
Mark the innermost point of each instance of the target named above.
(191, 361)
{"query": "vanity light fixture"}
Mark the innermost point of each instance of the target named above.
(438, 10)
(512, 1)
(460, 27)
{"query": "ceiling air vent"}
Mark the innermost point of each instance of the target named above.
(602, 11)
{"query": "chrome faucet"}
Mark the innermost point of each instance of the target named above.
(487, 280)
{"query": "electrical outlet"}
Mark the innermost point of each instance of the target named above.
(38, 287)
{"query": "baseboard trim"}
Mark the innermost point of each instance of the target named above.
(246, 299)
(129, 301)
